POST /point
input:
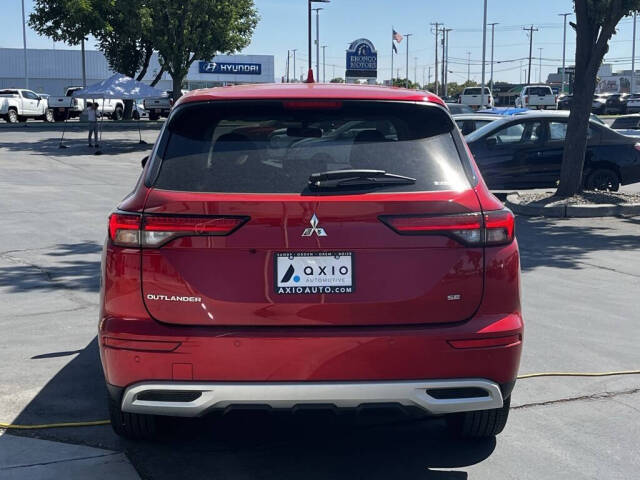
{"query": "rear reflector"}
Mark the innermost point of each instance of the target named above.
(492, 228)
(132, 230)
(140, 345)
(486, 342)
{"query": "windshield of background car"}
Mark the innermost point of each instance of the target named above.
(273, 147)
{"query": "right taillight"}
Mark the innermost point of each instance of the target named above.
(475, 229)
(152, 231)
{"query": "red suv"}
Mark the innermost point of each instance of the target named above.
(310, 245)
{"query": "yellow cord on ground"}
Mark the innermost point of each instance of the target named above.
(578, 374)
(54, 425)
(9, 426)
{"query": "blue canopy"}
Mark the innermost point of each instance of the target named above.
(119, 86)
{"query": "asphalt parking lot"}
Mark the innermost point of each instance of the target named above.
(581, 280)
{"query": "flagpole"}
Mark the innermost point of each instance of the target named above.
(392, 47)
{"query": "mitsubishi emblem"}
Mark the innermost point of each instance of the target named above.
(314, 228)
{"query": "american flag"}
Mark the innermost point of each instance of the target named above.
(397, 37)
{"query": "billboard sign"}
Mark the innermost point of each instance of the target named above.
(362, 59)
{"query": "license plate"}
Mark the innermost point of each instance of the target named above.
(313, 273)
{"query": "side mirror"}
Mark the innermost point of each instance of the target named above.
(144, 161)
(491, 142)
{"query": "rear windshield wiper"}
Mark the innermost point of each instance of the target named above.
(355, 178)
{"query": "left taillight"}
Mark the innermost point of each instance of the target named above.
(152, 231)
(474, 229)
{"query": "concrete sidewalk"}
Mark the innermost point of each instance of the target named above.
(30, 458)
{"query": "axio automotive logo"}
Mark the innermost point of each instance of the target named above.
(289, 274)
(314, 228)
(173, 298)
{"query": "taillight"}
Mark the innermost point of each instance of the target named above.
(131, 230)
(475, 229)
(526, 99)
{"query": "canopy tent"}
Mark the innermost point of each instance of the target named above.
(117, 86)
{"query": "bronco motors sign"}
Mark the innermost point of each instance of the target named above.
(362, 59)
(231, 68)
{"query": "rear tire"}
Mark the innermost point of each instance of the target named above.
(48, 116)
(132, 425)
(12, 116)
(603, 179)
(479, 424)
(117, 113)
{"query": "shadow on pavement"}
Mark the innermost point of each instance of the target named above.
(71, 271)
(254, 444)
(79, 146)
(564, 244)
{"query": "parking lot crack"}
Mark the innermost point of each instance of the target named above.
(609, 269)
(64, 460)
(594, 396)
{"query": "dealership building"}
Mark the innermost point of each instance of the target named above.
(52, 70)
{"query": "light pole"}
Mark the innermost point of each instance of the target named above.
(633, 55)
(540, 67)
(415, 69)
(468, 67)
(407, 79)
(288, 56)
(317, 10)
(310, 72)
(493, 30)
(294, 61)
(484, 52)
(446, 61)
(24, 45)
(324, 64)
(564, 50)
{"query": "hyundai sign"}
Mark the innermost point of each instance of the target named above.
(362, 59)
(231, 68)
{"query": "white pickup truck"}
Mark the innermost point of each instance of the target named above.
(160, 106)
(539, 97)
(17, 104)
(70, 107)
(472, 96)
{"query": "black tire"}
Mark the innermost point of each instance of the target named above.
(12, 116)
(603, 179)
(153, 116)
(132, 425)
(136, 115)
(58, 117)
(117, 113)
(48, 116)
(479, 424)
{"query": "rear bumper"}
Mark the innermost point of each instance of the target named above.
(143, 350)
(193, 399)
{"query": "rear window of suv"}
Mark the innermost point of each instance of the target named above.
(475, 91)
(273, 147)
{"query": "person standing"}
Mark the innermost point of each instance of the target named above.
(92, 116)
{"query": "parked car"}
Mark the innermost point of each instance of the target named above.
(469, 122)
(616, 103)
(472, 96)
(627, 125)
(599, 104)
(564, 102)
(69, 106)
(17, 104)
(230, 281)
(633, 103)
(457, 108)
(138, 111)
(525, 151)
(537, 97)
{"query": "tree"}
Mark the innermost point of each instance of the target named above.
(596, 22)
(337, 80)
(186, 30)
(69, 21)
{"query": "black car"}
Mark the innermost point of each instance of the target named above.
(616, 103)
(564, 102)
(525, 151)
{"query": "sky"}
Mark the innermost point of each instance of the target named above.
(283, 26)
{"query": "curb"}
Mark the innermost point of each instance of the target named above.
(570, 211)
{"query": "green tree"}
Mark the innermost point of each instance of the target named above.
(69, 21)
(186, 30)
(596, 22)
